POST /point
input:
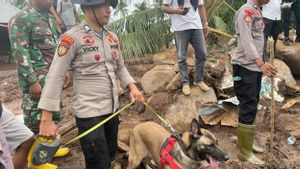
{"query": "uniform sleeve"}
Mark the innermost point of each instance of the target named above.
(167, 2)
(122, 72)
(65, 53)
(20, 49)
(244, 26)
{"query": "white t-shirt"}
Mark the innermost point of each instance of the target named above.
(191, 20)
(272, 10)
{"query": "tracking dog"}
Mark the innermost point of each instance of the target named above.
(193, 147)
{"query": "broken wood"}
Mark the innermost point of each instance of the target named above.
(290, 103)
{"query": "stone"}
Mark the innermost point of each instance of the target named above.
(174, 84)
(290, 55)
(284, 72)
(157, 79)
(185, 108)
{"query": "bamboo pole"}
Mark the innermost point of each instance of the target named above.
(272, 55)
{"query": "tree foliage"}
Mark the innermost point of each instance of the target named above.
(143, 32)
(121, 9)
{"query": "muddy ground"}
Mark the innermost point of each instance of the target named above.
(285, 156)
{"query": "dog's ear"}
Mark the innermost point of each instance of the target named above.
(201, 123)
(195, 130)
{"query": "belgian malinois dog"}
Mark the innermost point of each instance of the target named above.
(195, 146)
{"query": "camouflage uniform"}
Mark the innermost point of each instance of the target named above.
(34, 37)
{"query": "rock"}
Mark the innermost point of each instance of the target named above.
(290, 55)
(284, 72)
(181, 112)
(159, 100)
(174, 84)
(157, 79)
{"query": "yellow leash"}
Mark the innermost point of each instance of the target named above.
(98, 125)
(115, 114)
(167, 124)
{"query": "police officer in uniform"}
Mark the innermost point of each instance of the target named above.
(94, 55)
(248, 67)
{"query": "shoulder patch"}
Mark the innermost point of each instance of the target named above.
(249, 12)
(248, 19)
(112, 39)
(62, 49)
(67, 40)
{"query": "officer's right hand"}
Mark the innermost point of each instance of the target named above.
(48, 130)
(268, 70)
(182, 11)
(35, 90)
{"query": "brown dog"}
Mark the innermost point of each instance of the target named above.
(199, 144)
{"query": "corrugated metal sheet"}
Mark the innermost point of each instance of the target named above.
(6, 11)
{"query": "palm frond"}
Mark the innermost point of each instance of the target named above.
(141, 33)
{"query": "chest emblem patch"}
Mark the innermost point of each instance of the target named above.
(97, 57)
(88, 40)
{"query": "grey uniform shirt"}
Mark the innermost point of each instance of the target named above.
(96, 63)
(249, 28)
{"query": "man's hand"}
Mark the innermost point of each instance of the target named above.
(48, 130)
(35, 90)
(286, 5)
(67, 80)
(206, 30)
(268, 69)
(135, 94)
(182, 11)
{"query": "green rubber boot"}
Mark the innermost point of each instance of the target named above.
(245, 135)
(258, 148)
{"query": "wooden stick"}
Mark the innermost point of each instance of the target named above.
(272, 54)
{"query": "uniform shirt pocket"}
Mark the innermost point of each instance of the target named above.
(258, 27)
(92, 63)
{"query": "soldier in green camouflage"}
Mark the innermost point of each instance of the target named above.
(34, 36)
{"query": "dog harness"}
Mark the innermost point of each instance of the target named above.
(165, 154)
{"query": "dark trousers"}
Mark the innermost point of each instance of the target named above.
(247, 88)
(286, 17)
(271, 30)
(100, 146)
